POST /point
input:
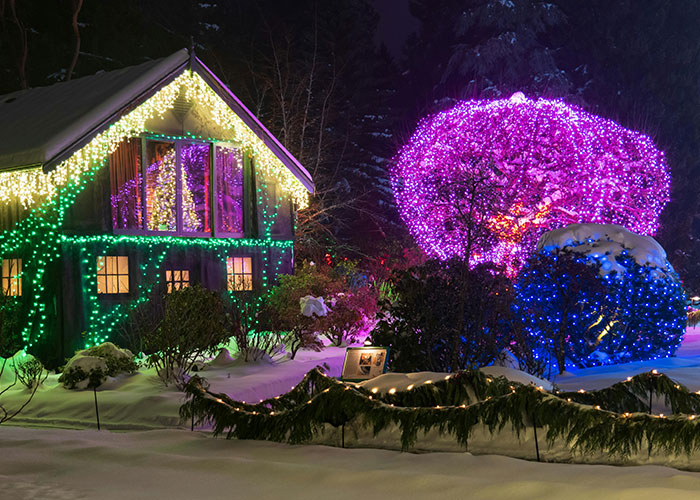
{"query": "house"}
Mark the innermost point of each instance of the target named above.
(146, 178)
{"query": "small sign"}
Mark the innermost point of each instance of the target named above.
(364, 363)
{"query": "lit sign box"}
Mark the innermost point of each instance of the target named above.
(364, 363)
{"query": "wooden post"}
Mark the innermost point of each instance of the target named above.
(534, 427)
(97, 411)
(342, 441)
(192, 427)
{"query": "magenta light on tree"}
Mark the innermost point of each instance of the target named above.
(487, 178)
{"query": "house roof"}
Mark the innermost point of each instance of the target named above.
(44, 126)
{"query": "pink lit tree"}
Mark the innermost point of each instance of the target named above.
(482, 180)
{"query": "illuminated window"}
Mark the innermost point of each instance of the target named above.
(239, 273)
(112, 274)
(12, 277)
(177, 279)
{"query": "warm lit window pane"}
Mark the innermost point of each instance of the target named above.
(123, 283)
(123, 265)
(12, 277)
(112, 284)
(196, 207)
(239, 275)
(125, 182)
(112, 274)
(161, 186)
(229, 190)
(177, 279)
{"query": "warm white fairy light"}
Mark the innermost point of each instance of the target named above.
(32, 186)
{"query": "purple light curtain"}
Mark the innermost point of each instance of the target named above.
(196, 204)
(229, 190)
(125, 181)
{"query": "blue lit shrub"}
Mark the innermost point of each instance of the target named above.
(578, 317)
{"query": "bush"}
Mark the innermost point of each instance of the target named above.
(193, 324)
(97, 363)
(30, 372)
(348, 314)
(445, 317)
(575, 315)
(251, 345)
(352, 303)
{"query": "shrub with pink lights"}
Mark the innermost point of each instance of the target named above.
(485, 179)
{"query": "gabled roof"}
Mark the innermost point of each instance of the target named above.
(46, 125)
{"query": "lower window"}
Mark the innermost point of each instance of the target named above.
(177, 279)
(112, 274)
(12, 277)
(239, 274)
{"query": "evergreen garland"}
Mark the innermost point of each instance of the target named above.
(609, 420)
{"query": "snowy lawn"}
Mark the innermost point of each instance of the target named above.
(176, 464)
(141, 401)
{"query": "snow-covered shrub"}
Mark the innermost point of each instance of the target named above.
(445, 317)
(194, 324)
(598, 294)
(30, 371)
(96, 364)
(349, 313)
(335, 302)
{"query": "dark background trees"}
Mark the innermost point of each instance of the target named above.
(314, 75)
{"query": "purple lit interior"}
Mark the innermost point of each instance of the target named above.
(544, 164)
(229, 190)
(161, 190)
(195, 187)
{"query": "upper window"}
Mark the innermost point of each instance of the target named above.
(12, 277)
(177, 279)
(239, 273)
(112, 274)
(166, 186)
(229, 190)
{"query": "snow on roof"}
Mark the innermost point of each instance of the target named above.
(37, 125)
(606, 242)
(45, 125)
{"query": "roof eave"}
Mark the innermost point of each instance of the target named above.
(255, 125)
(112, 117)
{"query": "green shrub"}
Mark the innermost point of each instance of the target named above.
(445, 317)
(194, 324)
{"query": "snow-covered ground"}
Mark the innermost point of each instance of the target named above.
(175, 464)
(163, 459)
(141, 401)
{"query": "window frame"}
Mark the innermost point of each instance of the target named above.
(170, 284)
(179, 141)
(10, 278)
(117, 275)
(229, 282)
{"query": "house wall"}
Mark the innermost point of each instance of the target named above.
(206, 266)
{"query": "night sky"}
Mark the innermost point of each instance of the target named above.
(395, 25)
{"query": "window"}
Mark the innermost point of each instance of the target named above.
(161, 186)
(196, 173)
(125, 180)
(177, 279)
(239, 273)
(12, 277)
(166, 186)
(112, 274)
(229, 190)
